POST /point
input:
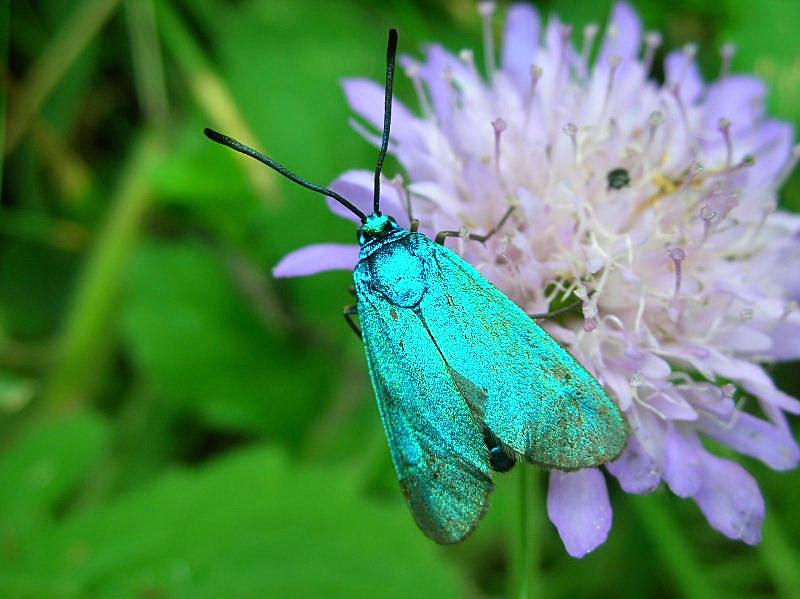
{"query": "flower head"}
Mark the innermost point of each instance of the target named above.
(654, 203)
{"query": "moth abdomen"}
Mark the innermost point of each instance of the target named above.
(500, 459)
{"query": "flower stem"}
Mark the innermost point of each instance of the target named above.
(779, 557)
(89, 324)
(211, 93)
(53, 64)
(5, 32)
(676, 555)
(526, 551)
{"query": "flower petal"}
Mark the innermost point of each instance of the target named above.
(757, 438)
(314, 259)
(366, 98)
(786, 340)
(738, 98)
(682, 466)
(636, 470)
(730, 500)
(624, 34)
(521, 44)
(680, 70)
(578, 505)
(440, 61)
(772, 151)
(356, 186)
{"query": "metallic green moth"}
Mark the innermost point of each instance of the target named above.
(466, 382)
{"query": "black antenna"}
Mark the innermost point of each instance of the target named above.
(391, 50)
(248, 151)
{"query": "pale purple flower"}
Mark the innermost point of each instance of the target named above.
(688, 273)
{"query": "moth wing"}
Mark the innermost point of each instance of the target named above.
(528, 390)
(436, 444)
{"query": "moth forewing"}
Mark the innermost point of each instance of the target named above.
(538, 399)
(437, 446)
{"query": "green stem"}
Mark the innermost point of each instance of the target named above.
(780, 559)
(53, 64)
(671, 548)
(5, 17)
(148, 64)
(212, 95)
(89, 325)
(527, 555)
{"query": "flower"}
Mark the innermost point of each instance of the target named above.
(654, 203)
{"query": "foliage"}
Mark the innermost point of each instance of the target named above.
(174, 422)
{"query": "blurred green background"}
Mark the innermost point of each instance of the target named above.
(176, 423)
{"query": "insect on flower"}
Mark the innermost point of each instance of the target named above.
(466, 381)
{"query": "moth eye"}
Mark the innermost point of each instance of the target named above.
(618, 178)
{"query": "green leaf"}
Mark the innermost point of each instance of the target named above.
(42, 469)
(250, 525)
(15, 392)
(196, 338)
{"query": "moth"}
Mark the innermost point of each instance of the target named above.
(466, 382)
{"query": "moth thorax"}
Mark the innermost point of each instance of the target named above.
(397, 273)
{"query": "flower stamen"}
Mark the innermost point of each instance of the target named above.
(727, 52)
(589, 35)
(652, 41)
(707, 215)
(571, 129)
(499, 125)
(486, 11)
(613, 63)
(677, 255)
(724, 127)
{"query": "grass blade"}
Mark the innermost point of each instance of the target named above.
(88, 329)
(53, 64)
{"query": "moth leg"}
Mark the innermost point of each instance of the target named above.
(348, 312)
(442, 235)
(414, 225)
(568, 308)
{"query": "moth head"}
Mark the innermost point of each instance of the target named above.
(375, 227)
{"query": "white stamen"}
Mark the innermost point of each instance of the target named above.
(572, 131)
(654, 121)
(499, 125)
(791, 306)
(691, 53)
(637, 379)
(589, 35)
(788, 168)
(486, 11)
(562, 70)
(652, 41)
(677, 255)
(707, 215)
(413, 72)
(724, 127)
(695, 169)
(727, 52)
(536, 75)
(676, 93)
(613, 62)
(399, 183)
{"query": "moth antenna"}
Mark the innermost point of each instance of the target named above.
(248, 151)
(391, 51)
